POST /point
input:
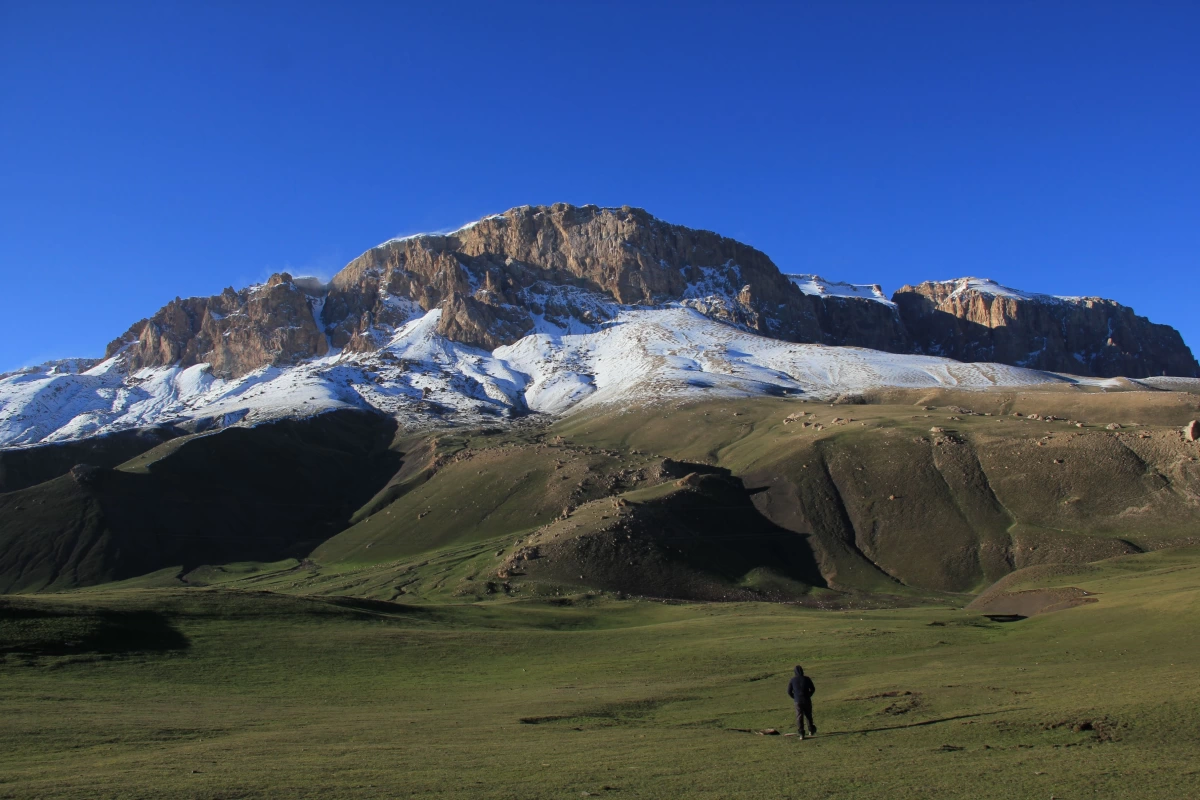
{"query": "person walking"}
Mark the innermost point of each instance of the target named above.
(801, 690)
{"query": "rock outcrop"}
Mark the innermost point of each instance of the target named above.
(972, 319)
(568, 268)
(493, 278)
(235, 332)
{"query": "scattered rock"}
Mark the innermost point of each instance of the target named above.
(84, 474)
(1103, 729)
(902, 702)
(1112, 426)
(936, 429)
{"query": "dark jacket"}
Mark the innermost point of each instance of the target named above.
(801, 689)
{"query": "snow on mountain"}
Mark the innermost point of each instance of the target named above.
(672, 353)
(630, 356)
(816, 285)
(990, 287)
(467, 226)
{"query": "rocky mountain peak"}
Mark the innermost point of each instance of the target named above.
(564, 268)
(499, 278)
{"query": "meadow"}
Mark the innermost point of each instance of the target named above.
(228, 691)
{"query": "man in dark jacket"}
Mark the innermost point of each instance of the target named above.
(801, 690)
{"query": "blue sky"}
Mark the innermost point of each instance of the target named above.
(149, 150)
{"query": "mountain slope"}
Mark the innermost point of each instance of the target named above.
(420, 377)
(911, 493)
(242, 494)
(916, 493)
(559, 308)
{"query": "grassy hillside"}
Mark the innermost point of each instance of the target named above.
(23, 467)
(889, 497)
(218, 693)
(917, 494)
(263, 493)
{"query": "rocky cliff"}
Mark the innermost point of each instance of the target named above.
(497, 278)
(565, 268)
(561, 266)
(973, 319)
(235, 332)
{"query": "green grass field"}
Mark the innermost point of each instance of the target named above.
(227, 692)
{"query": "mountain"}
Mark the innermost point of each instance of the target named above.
(496, 281)
(973, 319)
(552, 308)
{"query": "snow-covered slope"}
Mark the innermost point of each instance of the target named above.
(816, 285)
(990, 287)
(639, 356)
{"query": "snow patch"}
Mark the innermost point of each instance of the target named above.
(819, 287)
(459, 229)
(990, 287)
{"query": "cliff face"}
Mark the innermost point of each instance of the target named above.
(977, 320)
(235, 332)
(492, 281)
(565, 268)
(494, 277)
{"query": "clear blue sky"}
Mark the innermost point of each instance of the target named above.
(149, 150)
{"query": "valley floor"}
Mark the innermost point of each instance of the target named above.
(215, 692)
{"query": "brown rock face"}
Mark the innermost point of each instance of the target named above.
(1082, 336)
(492, 280)
(491, 277)
(235, 332)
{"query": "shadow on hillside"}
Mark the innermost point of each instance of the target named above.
(374, 608)
(32, 631)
